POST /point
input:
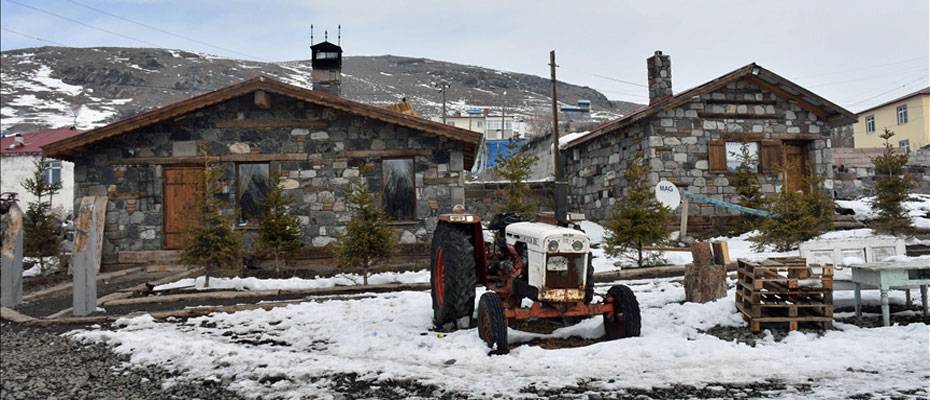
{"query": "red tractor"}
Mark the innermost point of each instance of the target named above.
(545, 262)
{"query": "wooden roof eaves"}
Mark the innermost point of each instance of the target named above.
(65, 149)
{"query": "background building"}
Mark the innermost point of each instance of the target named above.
(19, 152)
(907, 116)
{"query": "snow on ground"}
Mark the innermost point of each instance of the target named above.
(252, 283)
(386, 336)
(918, 207)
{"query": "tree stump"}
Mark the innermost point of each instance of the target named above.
(704, 281)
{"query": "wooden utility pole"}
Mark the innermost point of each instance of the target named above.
(561, 188)
(555, 119)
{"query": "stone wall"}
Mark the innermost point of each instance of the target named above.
(314, 166)
(675, 143)
(855, 174)
(483, 198)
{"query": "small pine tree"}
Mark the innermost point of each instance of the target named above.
(637, 219)
(795, 217)
(746, 181)
(213, 243)
(515, 170)
(891, 190)
(42, 229)
(279, 232)
(368, 238)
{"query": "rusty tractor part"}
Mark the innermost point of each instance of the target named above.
(547, 263)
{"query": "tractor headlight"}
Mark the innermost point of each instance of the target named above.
(553, 246)
(577, 245)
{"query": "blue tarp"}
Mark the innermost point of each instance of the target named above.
(501, 147)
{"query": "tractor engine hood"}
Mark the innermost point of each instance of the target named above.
(540, 237)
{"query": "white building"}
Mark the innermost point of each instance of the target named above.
(493, 126)
(17, 155)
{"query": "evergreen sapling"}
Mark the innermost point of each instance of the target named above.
(41, 228)
(515, 170)
(279, 231)
(892, 188)
(368, 238)
(637, 219)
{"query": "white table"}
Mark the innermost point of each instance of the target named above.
(887, 274)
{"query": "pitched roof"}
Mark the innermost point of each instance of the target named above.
(33, 141)
(762, 77)
(69, 147)
(925, 91)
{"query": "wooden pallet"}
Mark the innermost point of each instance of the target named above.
(784, 290)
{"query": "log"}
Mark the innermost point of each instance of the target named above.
(704, 283)
(721, 252)
(700, 252)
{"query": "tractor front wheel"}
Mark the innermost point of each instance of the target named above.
(625, 321)
(492, 326)
(452, 276)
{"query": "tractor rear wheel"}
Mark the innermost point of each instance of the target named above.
(492, 325)
(452, 276)
(626, 320)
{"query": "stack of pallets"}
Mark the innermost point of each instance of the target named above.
(784, 290)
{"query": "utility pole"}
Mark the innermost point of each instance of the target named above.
(442, 86)
(561, 189)
(503, 103)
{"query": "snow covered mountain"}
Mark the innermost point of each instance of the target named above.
(56, 86)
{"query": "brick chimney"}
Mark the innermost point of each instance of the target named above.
(659, 72)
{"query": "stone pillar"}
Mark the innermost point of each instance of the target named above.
(11, 253)
(659, 72)
(84, 261)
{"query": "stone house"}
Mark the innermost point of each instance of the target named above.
(262, 132)
(690, 139)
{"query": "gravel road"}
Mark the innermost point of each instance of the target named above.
(38, 363)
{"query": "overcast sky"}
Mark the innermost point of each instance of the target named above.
(855, 53)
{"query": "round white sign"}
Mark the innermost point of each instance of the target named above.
(667, 194)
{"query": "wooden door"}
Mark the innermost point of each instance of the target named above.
(796, 166)
(182, 208)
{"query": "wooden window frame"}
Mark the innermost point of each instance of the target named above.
(770, 154)
(239, 224)
(413, 167)
(899, 112)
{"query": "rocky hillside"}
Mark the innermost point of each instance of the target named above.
(43, 87)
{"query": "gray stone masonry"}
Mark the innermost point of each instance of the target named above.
(675, 144)
(316, 177)
(659, 72)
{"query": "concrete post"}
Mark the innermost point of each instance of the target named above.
(84, 260)
(11, 287)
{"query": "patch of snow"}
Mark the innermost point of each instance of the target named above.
(252, 283)
(386, 336)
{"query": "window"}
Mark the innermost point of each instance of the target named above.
(400, 197)
(905, 145)
(252, 188)
(478, 123)
(735, 155)
(52, 171)
(870, 124)
(327, 55)
(902, 114)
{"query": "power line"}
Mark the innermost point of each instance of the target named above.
(157, 29)
(34, 37)
(82, 23)
(921, 78)
(619, 80)
(910, 60)
(924, 68)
